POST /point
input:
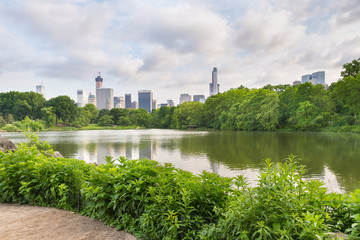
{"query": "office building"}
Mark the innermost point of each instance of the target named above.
(145, 100)
(40, 89)
(134, 105)
(199, 98)
(297, 82)
(314, 78)
(128, 100)
(81, 98)
(99, 81)
(185, 98)
(92, 99)
(104, 98)
(171, 103)
(154, 104)
(160, 105)
(121, 103)
(214, 86)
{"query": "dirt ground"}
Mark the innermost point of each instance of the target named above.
(36, 223)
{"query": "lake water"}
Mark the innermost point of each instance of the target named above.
(331, 157)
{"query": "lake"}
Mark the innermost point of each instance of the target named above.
(331, 157)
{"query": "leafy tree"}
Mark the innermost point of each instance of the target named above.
(188, 113)
(351, 69)
(106, 120)
(124, 121)
(116, 113)
(64, 108)
(48, 116)
(269, 112)
(140, 117)
(93, 112)
(307, 116)
(103, 112)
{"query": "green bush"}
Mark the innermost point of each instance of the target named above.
(11, 128)
(156, 201)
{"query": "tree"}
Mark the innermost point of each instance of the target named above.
(140, 117)
(102, 112)
(22, 109)
(269, 112)
(307, 116)
(116, 113)
(188, 113)
(124, 121)
(48, 116)
(93, 112)
(351, 69)
(64, 108)
(106, 120)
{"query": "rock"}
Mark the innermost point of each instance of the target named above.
(57, 154)
(6, 145)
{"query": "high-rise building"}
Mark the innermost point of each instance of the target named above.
(128, 100)
(314, 78)
(92, 98)
(134, 105)
(145, 100)
(116, 102)
(40, 89)
(184, 97)
(171, 103)
(199, 98)
(153, 104)
(297, 82)
(214, 86)
(81, 98)
(104, 98)
(99, 81)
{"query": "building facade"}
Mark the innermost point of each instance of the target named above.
(81, 98)
(99, 81)
(314, 78)
(104, 98)
(199, 98)
(40, 89)
(171, 103)
(92, 99)
(154, 107)
(214, 86)
(128, 100)
(145, 98)
(184, 97)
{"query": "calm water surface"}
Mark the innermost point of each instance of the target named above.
(331, 157)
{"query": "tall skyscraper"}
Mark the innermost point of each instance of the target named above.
(314, 78)
(214, 86)
(134, 105)
(128, 100)
(153, 104)
(199, 98)
(99, 81)
(40, 89)
(92, 99)
(145, 100)
(184, 97)
(116, 102)
(104, 98)
(81, 98)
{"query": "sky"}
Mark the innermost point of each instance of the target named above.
(171, 47)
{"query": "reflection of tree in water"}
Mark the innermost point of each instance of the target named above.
(242, 150)
(67, 149)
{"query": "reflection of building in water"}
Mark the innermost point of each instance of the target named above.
(145, 149)
(104, 150)
(154, 144)
(129, 148)
(214, 166)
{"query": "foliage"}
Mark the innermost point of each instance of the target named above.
(351, 69)
(64, 108)
(106, 120)
(157, 201)
(48, 116)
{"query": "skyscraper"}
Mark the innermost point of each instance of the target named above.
(99, 81)
(40, 89)
(116, 102)
(145, 100)
(214, 86)
(314, 78)
(92, 99)
(81, 98)
(184, 97)
(128, 100)
(199, 98)
(153, 104)
(170, 102)
(104, 98)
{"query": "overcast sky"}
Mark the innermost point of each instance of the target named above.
(170, 47)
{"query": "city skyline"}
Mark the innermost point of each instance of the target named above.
(170, 47)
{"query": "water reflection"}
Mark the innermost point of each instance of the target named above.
(333, 158)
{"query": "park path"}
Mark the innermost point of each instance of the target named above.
(40, 223)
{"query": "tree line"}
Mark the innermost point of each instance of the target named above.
(301, 107)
